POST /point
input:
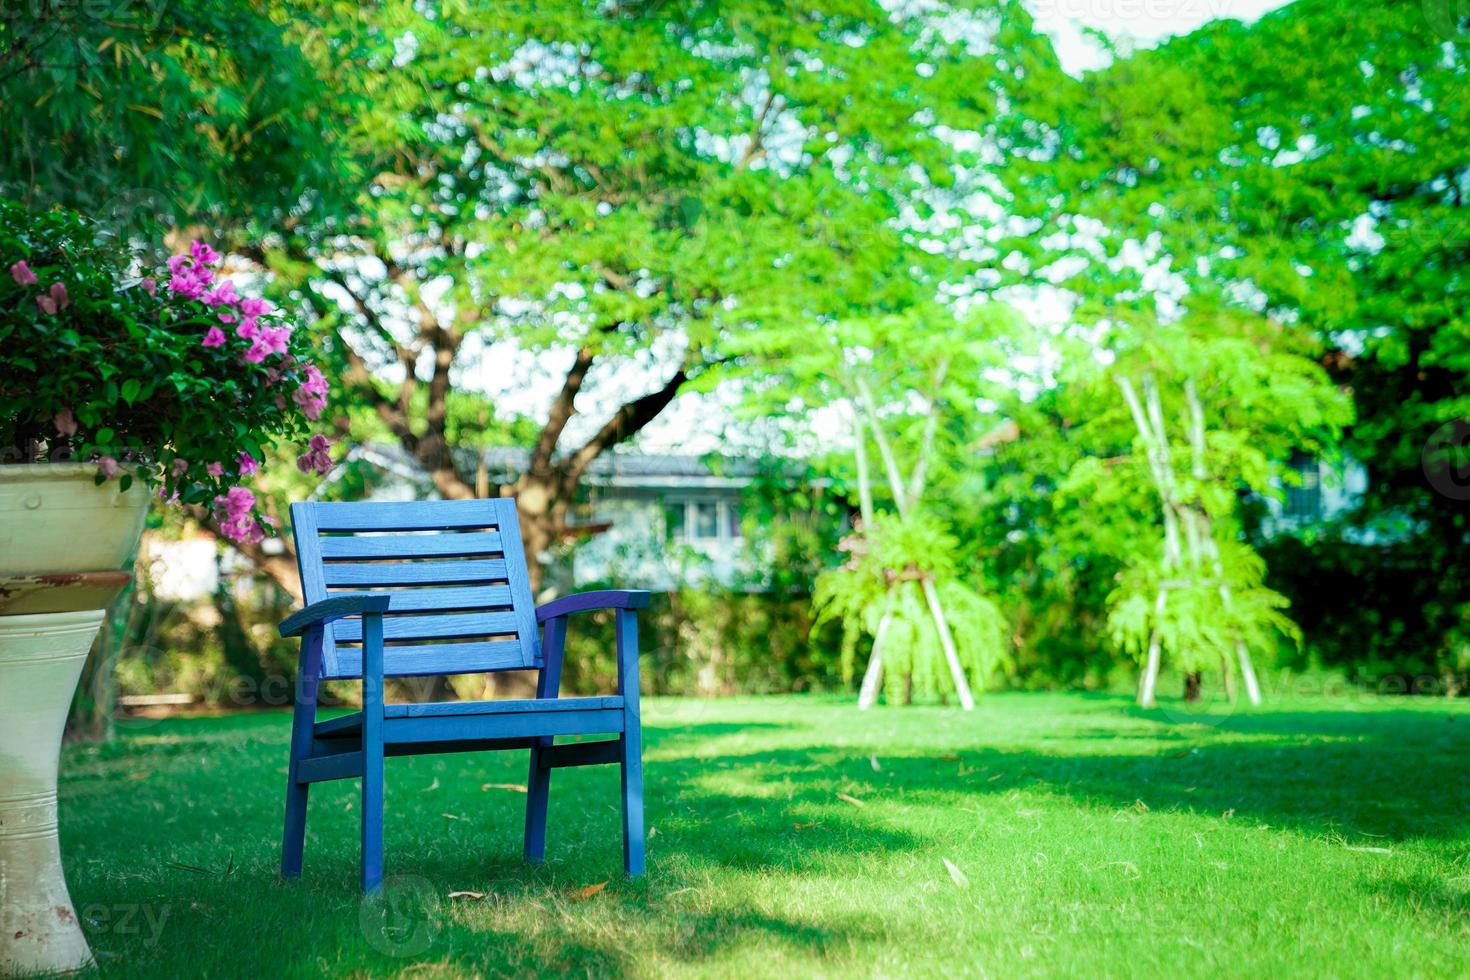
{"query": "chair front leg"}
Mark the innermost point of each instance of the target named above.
(632, 743)
(303, 721)
(372, 752)
(538, 781)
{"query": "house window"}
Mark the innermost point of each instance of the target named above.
(705, 525)
(674, 520)
(1304, 500)
(702, 521)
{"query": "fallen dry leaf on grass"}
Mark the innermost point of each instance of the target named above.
(874, 760)
(432, 786)
(955, 874)
(850, 799)
(451, 816)
(949, 758)
(512, 787)
(586, 892)
(471, 895)
(1371, 850)
(804, 826)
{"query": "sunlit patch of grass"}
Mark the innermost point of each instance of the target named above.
(1040, 834)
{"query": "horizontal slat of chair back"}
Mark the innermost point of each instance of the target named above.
(388, 574)
(413, 515)
(452, 626)
(411, 545)
(460, 598)
(440, 658)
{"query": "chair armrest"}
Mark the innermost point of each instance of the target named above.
(325, 610)
(584, 601)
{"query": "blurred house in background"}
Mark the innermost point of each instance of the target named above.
(656, 522)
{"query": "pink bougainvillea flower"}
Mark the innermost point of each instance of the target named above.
(311, 396)
(221, 295)
(248, 329)
(275, 339)
(150, 286)
(214, 338)
(215, 470)
(65, 422)
(47, 305)
(108, 466)
(237, 501)
(202, 253)
(180, 466)
(254, 306)
(232, 513)
(248, 464)
(60, 295)
(258, 349)
(317, 459)
(22, 274)
(185, 285)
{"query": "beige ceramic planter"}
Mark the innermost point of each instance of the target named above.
(63, 541)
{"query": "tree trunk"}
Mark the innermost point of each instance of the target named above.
(1193, 681)
(956, 672)
(1248, 674)
(865, 481)
(543, 518)
(1149, 682)
(873, 676)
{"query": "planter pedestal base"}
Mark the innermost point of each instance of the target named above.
(41, 657)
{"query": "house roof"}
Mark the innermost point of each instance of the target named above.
(631, 470)
(622, 470)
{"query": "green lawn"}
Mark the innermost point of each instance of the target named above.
(796, 836)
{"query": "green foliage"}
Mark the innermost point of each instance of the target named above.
(1197, 625)
(882, 579)
(138, 111)
(1324, 185)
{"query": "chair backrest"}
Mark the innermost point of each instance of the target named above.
(456, 571)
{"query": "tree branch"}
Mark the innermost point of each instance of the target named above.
(562, 410)
(625, 423)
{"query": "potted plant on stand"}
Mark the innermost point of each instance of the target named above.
(115, 389)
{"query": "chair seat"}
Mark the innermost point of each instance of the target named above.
(449, 721)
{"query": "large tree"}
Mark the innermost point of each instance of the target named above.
(622, 188)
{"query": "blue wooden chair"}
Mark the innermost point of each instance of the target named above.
(441, 587)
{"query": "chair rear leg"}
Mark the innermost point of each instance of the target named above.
(293, 843)
(538, 792)
(632, 770)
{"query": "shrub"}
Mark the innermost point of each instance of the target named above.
(170, 377)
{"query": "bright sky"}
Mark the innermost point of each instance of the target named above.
(1140, 23)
